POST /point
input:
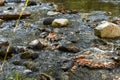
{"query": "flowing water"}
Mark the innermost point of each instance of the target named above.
(93, 11)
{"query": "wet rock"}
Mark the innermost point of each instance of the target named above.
(62, 10)
(70, 48)
(116, 21)
(107, 30)
(27, 71)
(30, 65)
(43, 34)
(17, 62)
(44, 76)
(48, 21)
(32, 3)
(52, 13)
(34, 55)
(1, 21)
(55, 7)
(65, 76)
(10, 16)
(4, 48)
(66, 65)
(73, 12)
(97, 59)
(52, 36)
(27, 24)
(60, 23)
(10, 8)
(25, 55)
(117, 58)
(36, 45)
(117, 51)
(1, 3)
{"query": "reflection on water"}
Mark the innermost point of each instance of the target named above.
(91, 5)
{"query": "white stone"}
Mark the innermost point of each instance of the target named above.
(60, 22)
(107, 30)
(27, 71)
(34, 42)
(52, 13)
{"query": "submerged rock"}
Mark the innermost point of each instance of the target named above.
(60, 22)
(107, 30)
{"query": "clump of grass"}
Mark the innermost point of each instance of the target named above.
(18, 76)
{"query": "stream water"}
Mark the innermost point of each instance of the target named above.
(78, 30)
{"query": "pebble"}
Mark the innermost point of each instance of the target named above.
(60, 23)
(36, 45)
(48, 21)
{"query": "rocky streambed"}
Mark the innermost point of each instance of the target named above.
(41, 50)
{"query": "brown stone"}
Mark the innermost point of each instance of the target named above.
(14, 16)
(1, 3)
(96, 60)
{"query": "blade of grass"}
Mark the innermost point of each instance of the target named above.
(12, 35)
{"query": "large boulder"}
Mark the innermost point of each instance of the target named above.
(60, 22)
(107, 30)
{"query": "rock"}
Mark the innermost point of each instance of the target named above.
(1, 3)
(17, 62)
(66, 65)
(107, 30)
(60, 22)
(27, 71)
(36, 45)
(44, 76)
(27, 24)
(25, 55)
(34, 55)
(70, 48)
(55, 7)
(65, 76)
(29, 64)
(48, 21)
(3, 50)
(73, 11)
(43, 34)
(1, 21)
(10, 8)
(10, 16)
(52, 13)
(32, 3)
(96, 59)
